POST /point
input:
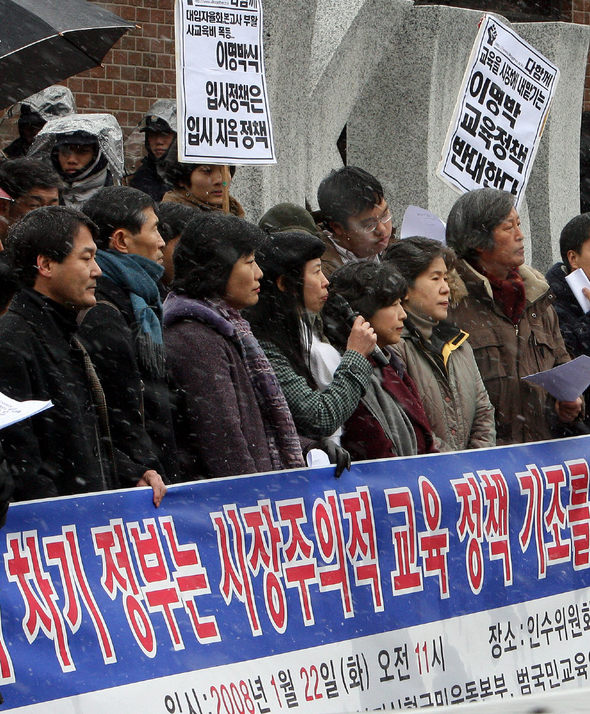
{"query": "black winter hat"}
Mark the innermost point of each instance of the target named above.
(287, 252)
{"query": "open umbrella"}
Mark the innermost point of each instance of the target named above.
(46, 41)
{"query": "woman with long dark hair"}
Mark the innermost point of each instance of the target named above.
(322, 388)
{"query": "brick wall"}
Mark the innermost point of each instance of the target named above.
(138, 70)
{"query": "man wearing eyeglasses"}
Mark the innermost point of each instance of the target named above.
(357, 216)
(29, 184)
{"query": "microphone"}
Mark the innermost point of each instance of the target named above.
(348, 315)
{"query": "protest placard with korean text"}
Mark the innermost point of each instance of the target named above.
(223, 110)
(406, 583)
(500, 114)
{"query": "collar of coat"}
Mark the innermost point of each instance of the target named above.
(440, 338)
(464, 278)
(53, 324)
(179, 307)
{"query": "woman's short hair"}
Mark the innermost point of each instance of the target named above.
(413, 256)
(209, 247)
(472, 220)
(366, 287)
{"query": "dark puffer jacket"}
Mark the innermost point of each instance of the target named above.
(574, 324)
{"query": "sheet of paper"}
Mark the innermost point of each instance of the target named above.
(577, 280)
(420, 222)
(566, 382)
(316, 458)
(12, 411)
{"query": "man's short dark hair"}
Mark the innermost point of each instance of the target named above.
(19, 176)
(209, 247)
(347, 192)
(173, 219)
(573, 236)
(115, 207)
(47, 231)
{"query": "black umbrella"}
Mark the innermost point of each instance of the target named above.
(45, 41)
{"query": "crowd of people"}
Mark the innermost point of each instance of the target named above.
(179, 341)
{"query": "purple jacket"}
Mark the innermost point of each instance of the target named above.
(218, 425)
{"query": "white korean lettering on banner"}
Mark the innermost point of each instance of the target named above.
(223, 110)
(500, 113)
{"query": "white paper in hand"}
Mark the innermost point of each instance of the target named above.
(565, 382)
(12, 411)
(316, 458)
(577, 280)
(420, 222)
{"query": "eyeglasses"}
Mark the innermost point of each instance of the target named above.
(371, 226)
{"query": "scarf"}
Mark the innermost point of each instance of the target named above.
(79, 187)
(324, 360)
(139, 277)
(349, 257)
(508, 294)
(283, 443)
(76, 193)
(391, 416)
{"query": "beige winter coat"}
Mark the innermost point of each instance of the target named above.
(440, 361)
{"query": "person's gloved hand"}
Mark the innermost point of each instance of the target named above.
(336, 454)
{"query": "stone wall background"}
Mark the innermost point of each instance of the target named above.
(381, 77)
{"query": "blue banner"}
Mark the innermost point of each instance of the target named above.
(104, 591)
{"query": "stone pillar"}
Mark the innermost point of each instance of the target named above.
(553, 191)
(318, 55)
(391, 73)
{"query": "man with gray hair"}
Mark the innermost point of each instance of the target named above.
(505, 307)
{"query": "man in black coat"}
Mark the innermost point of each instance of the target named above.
(123, 332)
(574, 323)
(66, 449)
(159, 128)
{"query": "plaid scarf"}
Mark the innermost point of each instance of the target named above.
(281, 435)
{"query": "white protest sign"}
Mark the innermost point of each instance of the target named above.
(500, 113)
(223, 113)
